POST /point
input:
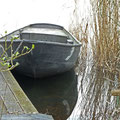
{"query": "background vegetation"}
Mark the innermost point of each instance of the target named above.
(99, 62)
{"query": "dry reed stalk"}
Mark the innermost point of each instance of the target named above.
(105, 42)
(81, 34)
(80, 31)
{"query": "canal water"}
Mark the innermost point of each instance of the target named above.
(56, 95)
(83, 93)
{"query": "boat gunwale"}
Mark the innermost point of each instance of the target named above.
(44, 42)
(30, 25)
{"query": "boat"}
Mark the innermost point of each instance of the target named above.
(56, 50)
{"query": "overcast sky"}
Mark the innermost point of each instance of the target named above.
(18, 13)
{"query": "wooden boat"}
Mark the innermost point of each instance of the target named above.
(56, 50)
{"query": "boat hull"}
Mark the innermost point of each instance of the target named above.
(47, 59)
(53, 53)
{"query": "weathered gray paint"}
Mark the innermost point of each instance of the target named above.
(54, 52)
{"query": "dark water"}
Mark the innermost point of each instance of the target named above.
(68, 96)
(56, 95)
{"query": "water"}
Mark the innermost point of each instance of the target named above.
(55, 95)
(86, 96)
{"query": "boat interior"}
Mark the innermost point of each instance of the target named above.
(50, 34)
(44, 32)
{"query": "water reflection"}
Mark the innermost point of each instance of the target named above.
(95, 101)
(92, 91)
(56, 95)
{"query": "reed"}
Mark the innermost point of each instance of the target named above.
(105, 32)
(102, 37)
(80, 31)
(105, 41)
(81, 34)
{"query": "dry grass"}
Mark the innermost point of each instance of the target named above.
(105, 42)
(105, 39)
(82, 36)
(80, 31)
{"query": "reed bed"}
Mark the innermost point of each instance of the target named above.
(81, 34)
(101, 36)
(106, 30)
(80, 31)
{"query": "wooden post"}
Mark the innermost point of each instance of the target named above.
(117, 92)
